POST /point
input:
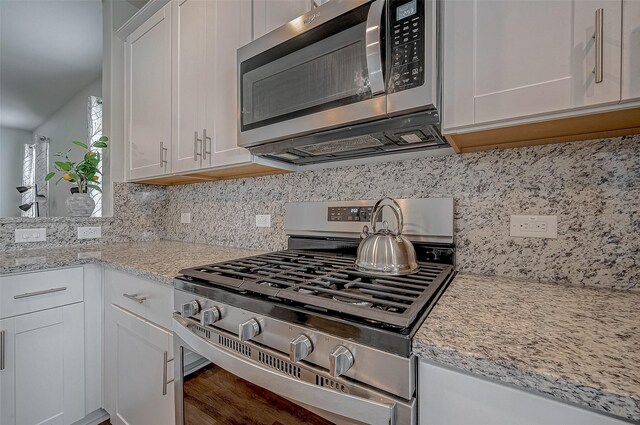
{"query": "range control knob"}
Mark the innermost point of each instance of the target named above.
(299, 348)
(248, 330)
(190, 309)
(340, 361)
(209, 316)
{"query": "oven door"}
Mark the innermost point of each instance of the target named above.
(248, 383)
(322, 70)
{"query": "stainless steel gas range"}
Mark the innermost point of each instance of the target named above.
(300, 336)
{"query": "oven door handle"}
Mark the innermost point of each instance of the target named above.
(373, 42)
(346, 405)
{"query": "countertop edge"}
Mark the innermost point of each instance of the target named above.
(621, 405)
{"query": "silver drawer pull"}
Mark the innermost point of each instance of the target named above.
(46, 291)
(135, 297)
(2, 349)
(164, 373)
(599, 41)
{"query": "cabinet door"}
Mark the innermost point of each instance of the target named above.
(271, 14)
(231, 30)
(448, 397)
(143, 368)
(43, 377)
(148, 91)
(630, 49)
(513, 59)
(189, 74)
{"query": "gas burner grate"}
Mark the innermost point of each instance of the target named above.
(329, 281)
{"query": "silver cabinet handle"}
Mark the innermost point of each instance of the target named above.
(33, 294)
(599, 42)
(205, 152)
(163, 156)
(196, 154)
(2, 348)
(135, 297)
(165, 364)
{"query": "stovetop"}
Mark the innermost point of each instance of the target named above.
(328, 282)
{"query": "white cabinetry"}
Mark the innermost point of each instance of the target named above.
(449, 397)
(514, 59)
(42, 354)
(190, 75)
(232, 29)
(139, 354)
(148, 97)
(144, 369)
(630, 50)
(270, 14)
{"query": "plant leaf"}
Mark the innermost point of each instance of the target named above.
(95, 187)
(49, 176)
(79, 143)
(66, 166)
(103, 139)
(100, 145)
(73, 176)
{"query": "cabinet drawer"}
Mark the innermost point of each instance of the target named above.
(149, 300)
(29, 292)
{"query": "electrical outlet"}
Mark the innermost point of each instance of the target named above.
(185, 218)
(263, 220)
(534, 226)
(30, 235)
(89, 232)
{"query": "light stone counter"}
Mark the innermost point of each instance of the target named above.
(576, 344)
(159, 261)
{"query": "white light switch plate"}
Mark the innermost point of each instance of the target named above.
(263, 220)
(185, 218)
(89, 232)
(31, 235)
(534, 226)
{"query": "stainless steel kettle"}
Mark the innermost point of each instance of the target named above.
(384, 252)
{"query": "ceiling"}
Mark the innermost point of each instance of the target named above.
(49, 51)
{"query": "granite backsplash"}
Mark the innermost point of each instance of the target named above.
(592, 186)
(139, 215)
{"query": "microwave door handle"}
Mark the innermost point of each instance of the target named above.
(373, 41)
(369, 411)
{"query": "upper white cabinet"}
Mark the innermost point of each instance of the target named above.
(630, 49)
(148, 96)
(270, 14)
(190, 74)
(42, 367)
(514, 59)
(233, 19)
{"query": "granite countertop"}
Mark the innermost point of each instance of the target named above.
(577, 344)
(159, 261)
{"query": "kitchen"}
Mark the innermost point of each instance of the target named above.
(219, 278)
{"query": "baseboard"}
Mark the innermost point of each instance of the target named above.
(94, 418)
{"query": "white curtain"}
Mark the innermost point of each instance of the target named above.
(35, 166)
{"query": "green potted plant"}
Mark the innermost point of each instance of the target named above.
(84, 174)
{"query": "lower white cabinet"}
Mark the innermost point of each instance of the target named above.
(143, 370)
(42, 376)
(448, 397)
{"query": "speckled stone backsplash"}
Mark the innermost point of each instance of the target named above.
(138, 216)
(592, 186)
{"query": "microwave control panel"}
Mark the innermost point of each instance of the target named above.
(406, 19)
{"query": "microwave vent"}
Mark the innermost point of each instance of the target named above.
(341, 145)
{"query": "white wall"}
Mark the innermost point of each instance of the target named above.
(67, 124)
(12, 143)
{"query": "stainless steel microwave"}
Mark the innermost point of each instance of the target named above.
(349, 79)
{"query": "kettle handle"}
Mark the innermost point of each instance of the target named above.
(397, 211)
